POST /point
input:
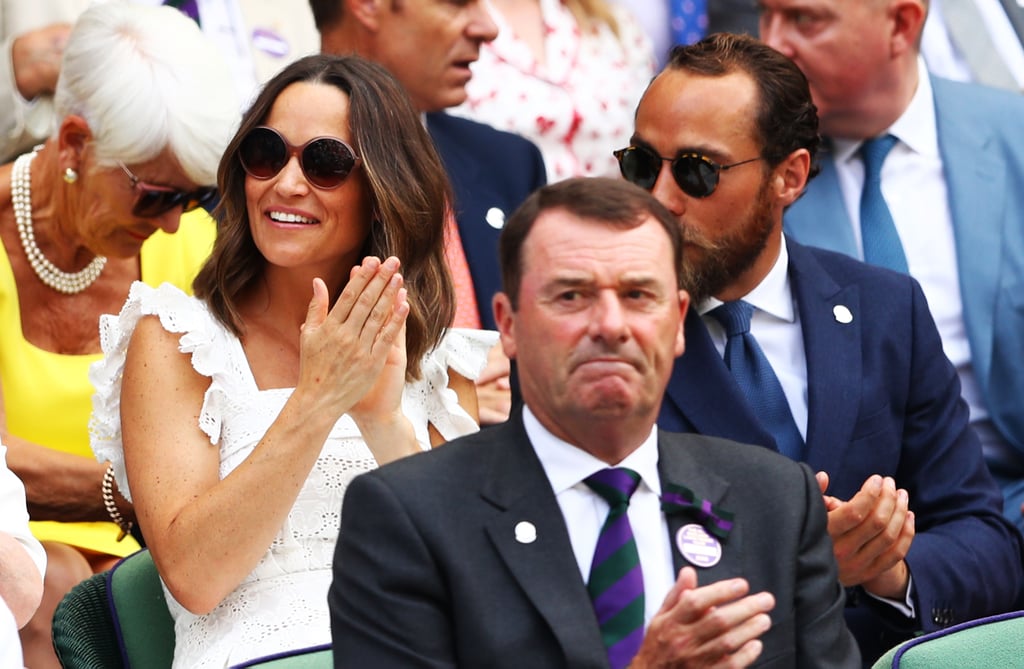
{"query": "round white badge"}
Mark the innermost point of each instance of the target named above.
(698, 547)
(842, 314)
(495, 218)
(526, 532)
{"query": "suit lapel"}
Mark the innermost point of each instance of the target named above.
(546, 568)
(705, 393)
(833, 354)
(676, 466)
(977, 183)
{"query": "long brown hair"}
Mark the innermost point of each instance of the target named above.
(409, 194)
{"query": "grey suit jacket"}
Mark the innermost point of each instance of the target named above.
(428, 571)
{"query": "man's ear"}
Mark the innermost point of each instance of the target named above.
(790, 176)
(504, 316)
(73, 137)
(684, 305)
(908, 18)
(366, 12)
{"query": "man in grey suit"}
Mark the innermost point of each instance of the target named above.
(486, 552)
(953, 183)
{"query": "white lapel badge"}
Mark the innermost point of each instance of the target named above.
(526, 532)
(495, 218)
(842, 313)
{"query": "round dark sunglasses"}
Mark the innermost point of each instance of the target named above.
(325, 161)
(155, 201)
(694, 173)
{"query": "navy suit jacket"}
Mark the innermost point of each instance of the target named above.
(429, 572)
(981, 141)
(882, 399)
(489, 170)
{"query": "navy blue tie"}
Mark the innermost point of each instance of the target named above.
(882, 244)
(755, 377)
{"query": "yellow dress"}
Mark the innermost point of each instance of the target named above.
(47, 396)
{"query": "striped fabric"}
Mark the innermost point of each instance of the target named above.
(616, 583)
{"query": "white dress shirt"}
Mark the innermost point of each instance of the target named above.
(14, 514)
(775, 325)
(585, 511)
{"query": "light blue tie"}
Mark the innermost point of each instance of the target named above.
(689, 20)
(755, 377)
(881, 241)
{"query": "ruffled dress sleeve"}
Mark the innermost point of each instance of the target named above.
(464, 351)
(208, 342)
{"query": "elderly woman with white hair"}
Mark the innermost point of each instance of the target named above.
(145, 108)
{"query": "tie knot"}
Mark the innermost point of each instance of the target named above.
(873, 153)
(734, 317)
(615, 485)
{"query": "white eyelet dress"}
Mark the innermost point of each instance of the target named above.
(282, 604)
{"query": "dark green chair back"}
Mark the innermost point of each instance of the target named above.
(144, 627)
(116, 620)
(119, 620)
(83, 628)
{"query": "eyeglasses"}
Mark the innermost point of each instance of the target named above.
(695, 173)
(325, 161)
(155, 201)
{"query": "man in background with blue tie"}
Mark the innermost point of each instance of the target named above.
(952, 186)
(826, 359)
(578, 534)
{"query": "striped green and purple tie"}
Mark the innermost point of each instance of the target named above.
(616, 583)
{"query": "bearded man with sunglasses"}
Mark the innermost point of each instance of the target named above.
(848, 372)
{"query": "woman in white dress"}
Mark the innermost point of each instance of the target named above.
(315, 349)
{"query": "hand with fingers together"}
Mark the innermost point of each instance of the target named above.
(716, 625)
(353, 354)
(871, 534)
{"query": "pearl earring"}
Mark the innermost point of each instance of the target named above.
(70, 176)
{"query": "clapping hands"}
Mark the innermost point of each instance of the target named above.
(871, 534)
(717, 625)
(353, 354)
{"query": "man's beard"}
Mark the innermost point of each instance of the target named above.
(723, 260)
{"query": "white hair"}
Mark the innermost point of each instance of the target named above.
(145, 78)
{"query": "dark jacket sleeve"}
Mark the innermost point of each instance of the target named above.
(823, 640)
(965, 559)
(394, 617)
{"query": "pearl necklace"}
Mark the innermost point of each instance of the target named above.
(69, 283)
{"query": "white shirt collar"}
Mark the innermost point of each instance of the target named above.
(772, 295)
(566, 465)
